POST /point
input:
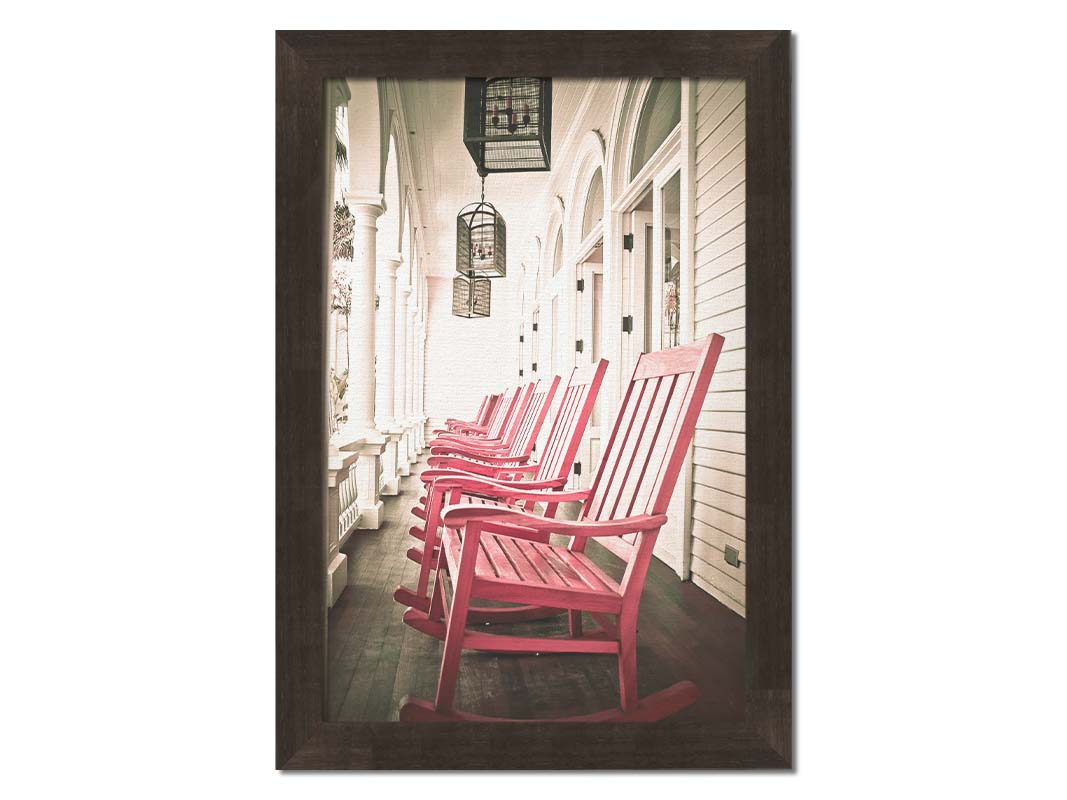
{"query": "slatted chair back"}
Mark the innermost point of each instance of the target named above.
(534, 417)
(572, 417)
(479, 418)
(517, 413)
(502, 415)
(644, 454)
(494, 406)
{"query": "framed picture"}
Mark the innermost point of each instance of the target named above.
(534, 400)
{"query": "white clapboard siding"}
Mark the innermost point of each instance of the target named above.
(719, 242)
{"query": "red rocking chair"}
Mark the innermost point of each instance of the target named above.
(503, 554)
(481, 419)
(527, 427)
(550, 472)
(501, 431)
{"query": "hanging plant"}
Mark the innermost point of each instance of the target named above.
(344, 225)
(341, 154)
(341, 298)
(338, 402)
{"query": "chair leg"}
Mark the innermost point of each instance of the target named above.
(437, 599)
(446, 679)
(457, 620)
(574, 622)
(627, 661)
(433, 514)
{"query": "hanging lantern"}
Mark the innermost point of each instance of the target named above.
(470, 297)
(507, 124)
(481, 241)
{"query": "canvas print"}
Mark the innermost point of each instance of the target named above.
(536, 384)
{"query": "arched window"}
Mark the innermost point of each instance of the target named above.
(660, 115)
(594, 204)
(557, 254)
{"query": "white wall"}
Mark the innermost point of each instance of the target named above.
(719, 444)
(466, 358)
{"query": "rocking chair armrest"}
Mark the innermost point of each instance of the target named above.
(524, 467)
(538, 491)
(502, 486)
(462, 429)
(460, 465)
(469, 453)
(445, 448)
(488, 446)
(474, 469)
(469, 441)
(471, 466)
(500, 519)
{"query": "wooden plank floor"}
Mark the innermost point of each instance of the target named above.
(375, 659)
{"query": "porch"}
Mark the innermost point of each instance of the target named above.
(375, 659)
(632, 242)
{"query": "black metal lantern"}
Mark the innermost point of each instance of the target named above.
(481, 240)
(507, 124)
(471, 296)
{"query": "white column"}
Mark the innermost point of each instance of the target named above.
(361, 341)
(365, 209)
(385, 391)
(402, 341)
(420, 384)
(409, 393)
(403, 292)
(385, 333)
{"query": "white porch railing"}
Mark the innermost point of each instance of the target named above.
(342, 516)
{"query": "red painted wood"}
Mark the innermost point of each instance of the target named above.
(551, 472)
(493, 433)
(520, 583)
(516, 445)
(501, 417)
(481, 420)
(492, 551)
(652, 708)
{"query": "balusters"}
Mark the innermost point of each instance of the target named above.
(348, 508)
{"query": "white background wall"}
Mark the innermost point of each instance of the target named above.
(467, 357)
(719, 465)
(138, 566)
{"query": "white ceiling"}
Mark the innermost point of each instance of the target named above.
(446, 178)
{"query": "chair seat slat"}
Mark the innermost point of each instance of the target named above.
(498, 562)
(526, 569)
(503, 559)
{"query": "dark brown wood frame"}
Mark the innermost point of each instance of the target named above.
(303, 739)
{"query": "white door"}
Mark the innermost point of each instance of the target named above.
(636, 293)
(654, 224)
(589, 305)
(662, 276)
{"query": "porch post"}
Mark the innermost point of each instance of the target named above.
(361, 345)
(385, 338)
(420, 389)
(403, 464)
(385, 390)
(365, 209)
(409, 392)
